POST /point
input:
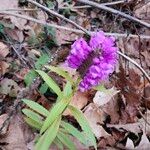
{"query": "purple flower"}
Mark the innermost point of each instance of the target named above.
(104, 57)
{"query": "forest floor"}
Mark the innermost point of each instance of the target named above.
(120, 116)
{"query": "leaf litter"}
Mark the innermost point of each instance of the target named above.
(122, 109)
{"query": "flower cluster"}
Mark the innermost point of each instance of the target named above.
(102, 64)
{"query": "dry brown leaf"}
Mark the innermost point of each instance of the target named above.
(103, 97)
(111, 108)
(4, 50)
(3, 67)
(95, 118)
(15, 34)
(18, 135)
(64, 37)
(2, 120)
(143, 12)
(79, 100)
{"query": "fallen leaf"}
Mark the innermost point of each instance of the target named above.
(15, 34)
(3, 67)
(129, 144)
(95, 118)
(79, 100)
(4, 50)
(144, 143)
(143, 12)
(18, 135)
(9, 87)
(103, 97)
(8, 4)
(2, 120)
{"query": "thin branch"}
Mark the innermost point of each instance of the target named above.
(27, 9)
(41, 22)
(117, 35)
(136, 64)
(116, 12)
(58, 15)
(114, 3)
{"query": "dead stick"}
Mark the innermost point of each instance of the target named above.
(58, 15)
(116, 12)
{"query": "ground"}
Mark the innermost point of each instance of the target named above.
(119, 115)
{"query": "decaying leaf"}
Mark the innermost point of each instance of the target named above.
(2, 120)
(79, 100)
(95, 118)
(103, 97)
(4, 50)
(3, 67)
(17, 136)
(9, 87)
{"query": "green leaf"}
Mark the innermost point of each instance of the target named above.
(47, 138)
(66, 141)
(59, 144)
(61, 72)
(67, 89)
(31, 114)
(36, 107)
(50, 82)
(100, 87)
(44, 58)
(28, 79)
(84, 124)
(43, 88)
(74, 132)
(32, 123)
(54, 113)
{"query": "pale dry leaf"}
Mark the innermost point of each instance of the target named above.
(15, 34)
(79, 100)
(130, 127)
(111, 108)
(8, 4)
(143, 12)
(144, 143)
(129, 144)
(65, 37)
(4, 50)
(3, 67)
(9, 87)
(103, 97)
(95, 118)
(16, 137)
(2, 120)
(18, 22)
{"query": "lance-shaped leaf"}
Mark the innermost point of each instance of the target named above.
(48, 137)
(36, 107)
(50, 82)
(84, 124)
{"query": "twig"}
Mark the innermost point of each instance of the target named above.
(58, 15)
(19, 56)
(88, 6)
(27, 9)
(136, 64)
(41, 22)
(117, 35)
(114, 11)
(77, 31)
(114, 3)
